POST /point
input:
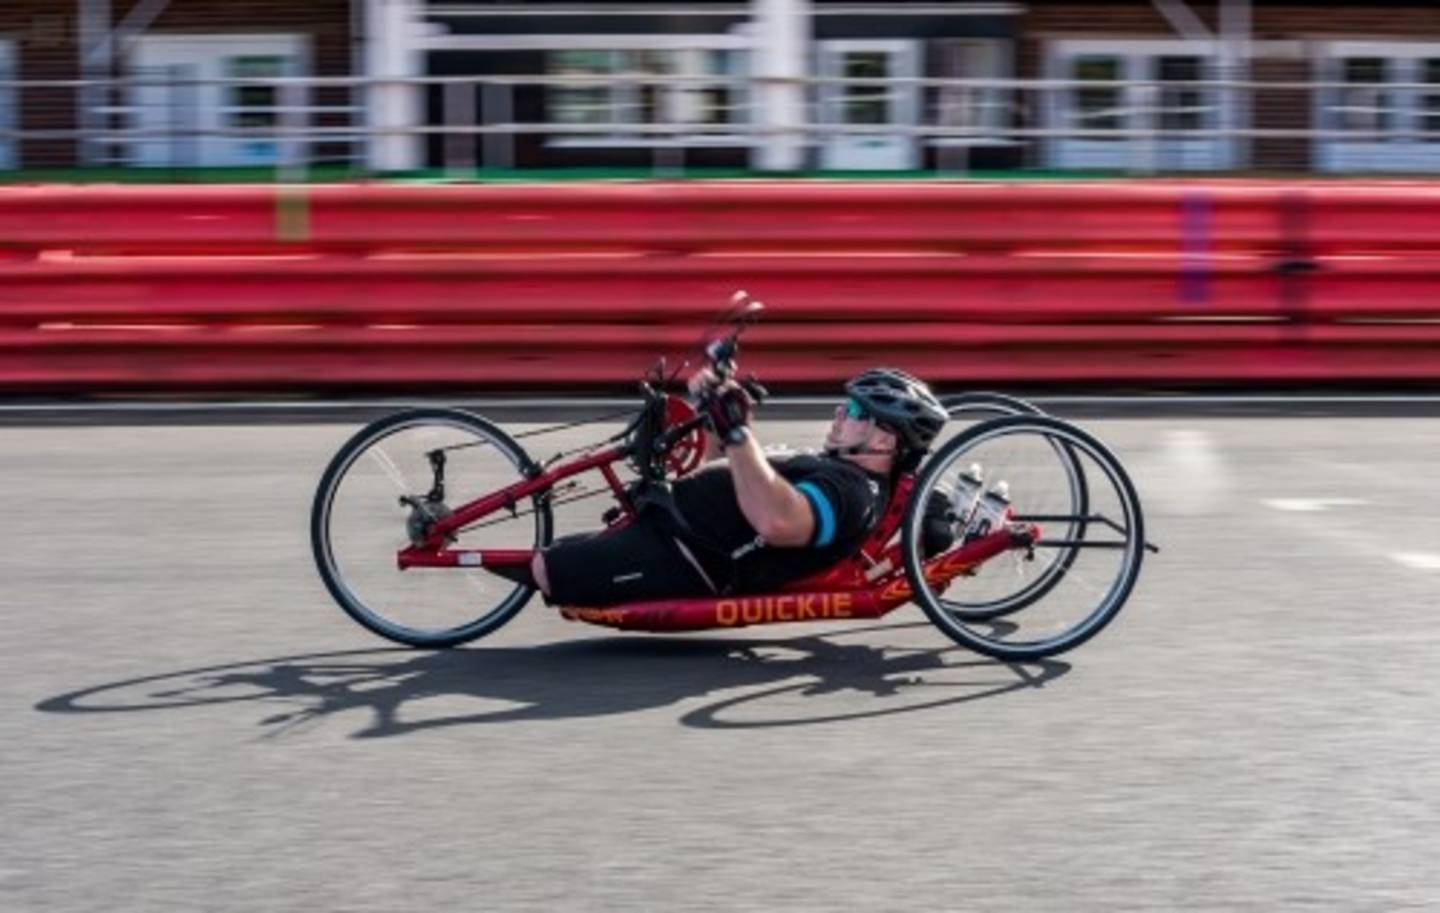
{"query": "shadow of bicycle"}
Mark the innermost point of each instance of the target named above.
(764, 682)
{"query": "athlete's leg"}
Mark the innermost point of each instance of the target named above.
(633, 563)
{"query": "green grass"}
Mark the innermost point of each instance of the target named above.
(702, 174)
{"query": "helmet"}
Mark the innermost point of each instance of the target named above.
(900, 402)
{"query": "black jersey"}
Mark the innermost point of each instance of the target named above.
(845, 499)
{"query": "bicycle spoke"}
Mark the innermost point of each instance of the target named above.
(387, 466)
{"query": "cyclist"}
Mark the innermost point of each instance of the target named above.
(752, 523)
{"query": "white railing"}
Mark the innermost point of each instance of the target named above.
(1147, 126)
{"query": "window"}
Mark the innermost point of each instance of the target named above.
(635, 87)
(1364, 103)
(582, 103)
(1097, 107)
(254, 104)
(1182, 107)
(1379, 107)
(254, 107)
(1430, 101)
(719, 103)
(1138, 104)
(866, 103)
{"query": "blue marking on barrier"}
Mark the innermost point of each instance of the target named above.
(1196, 225)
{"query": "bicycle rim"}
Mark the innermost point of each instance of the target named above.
(361, 524)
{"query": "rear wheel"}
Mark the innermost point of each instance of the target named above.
(1101, 535)
(359, 523)
(982, 404)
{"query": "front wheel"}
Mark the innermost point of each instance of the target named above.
(1102, 536)
(986, 598)
(365, 512)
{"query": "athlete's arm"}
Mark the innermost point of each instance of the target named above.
(777, 510)
(774, 507)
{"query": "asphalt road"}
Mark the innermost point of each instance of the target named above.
(188, 723)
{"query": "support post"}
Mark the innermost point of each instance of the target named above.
(96, 52)
(1234, 57)
(392, 35)
(295, 148)
(780, 63)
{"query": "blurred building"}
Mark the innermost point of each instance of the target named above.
(393, 85)
(48, 45)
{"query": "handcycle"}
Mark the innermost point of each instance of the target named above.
(425, 522)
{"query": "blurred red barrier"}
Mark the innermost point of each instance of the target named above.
(524, 286)
(521, 356)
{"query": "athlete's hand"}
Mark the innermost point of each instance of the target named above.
(701, 383)
(727, 412)
(725, 404)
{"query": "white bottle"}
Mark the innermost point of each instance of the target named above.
(966, 495)
(991, 513)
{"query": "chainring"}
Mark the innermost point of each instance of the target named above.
(689, 451)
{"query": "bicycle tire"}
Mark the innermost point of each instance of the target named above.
(323, 548)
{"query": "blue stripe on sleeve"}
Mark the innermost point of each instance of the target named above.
(824, 513)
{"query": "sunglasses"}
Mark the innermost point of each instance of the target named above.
(853, 409)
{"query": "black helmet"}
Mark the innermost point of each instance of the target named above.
(900, 402)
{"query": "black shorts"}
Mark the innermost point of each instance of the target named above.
(634, 563)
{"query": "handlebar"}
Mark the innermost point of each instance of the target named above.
(721, 352)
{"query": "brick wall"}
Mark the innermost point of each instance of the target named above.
(45, 33)
(1418, 20)
(1280, 109)
(43, 36)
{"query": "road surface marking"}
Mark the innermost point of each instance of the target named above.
(1311, 505)
(1186, 474)
(1418, 561)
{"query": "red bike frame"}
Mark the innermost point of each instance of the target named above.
(869, 584)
